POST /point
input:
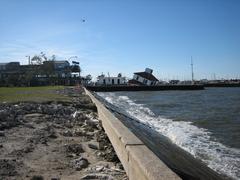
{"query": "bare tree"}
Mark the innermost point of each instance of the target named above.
(37, 59)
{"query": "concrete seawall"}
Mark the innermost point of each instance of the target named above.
(139, 161)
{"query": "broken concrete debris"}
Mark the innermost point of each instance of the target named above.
(55, 140)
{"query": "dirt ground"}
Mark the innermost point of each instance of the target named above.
(55, 140)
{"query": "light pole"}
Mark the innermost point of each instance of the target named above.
(28, 59)
(192, 70)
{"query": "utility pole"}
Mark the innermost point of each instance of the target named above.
(214, 77)
(29, 62)
(192, 70)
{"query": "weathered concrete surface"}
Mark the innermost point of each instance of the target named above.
(148, 164)
(139, 162)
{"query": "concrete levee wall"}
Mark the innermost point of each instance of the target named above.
(139, 162)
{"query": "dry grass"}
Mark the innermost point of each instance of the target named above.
(37, 94)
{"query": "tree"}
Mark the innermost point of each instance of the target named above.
(47, 68)
(89, 77)
(28, 77)
(13, 80)
(53, 58)
(43, 55)
(37, 59)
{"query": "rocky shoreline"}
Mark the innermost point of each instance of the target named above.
(56, 140)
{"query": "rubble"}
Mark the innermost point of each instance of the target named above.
(37, 178)
(50, 140)
(8, 167)
(80, 163)
(1, 133)
(98, 176)
(94, 145)
(74, 148)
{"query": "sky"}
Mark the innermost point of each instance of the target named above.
(112, 36)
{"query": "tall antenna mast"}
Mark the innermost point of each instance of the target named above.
(192, 70)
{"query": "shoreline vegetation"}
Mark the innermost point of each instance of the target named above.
(53, 132)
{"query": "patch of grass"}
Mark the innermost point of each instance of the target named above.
(36, 94)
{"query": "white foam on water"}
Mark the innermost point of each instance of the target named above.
(192, 139)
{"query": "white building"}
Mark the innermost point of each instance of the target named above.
(144, 78)
(103, 80)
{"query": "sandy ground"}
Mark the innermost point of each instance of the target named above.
(55, 140)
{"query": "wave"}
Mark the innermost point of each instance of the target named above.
(197, 141)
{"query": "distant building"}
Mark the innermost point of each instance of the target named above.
(203, 81)
(48, 72)
(103, 80)
(86, 80)
(3, 66)
(10, 68)
(161, 82)
(144, 78)
(62, 68)
(174, 81)
(13, 66)
(186, 82)
(61, 65)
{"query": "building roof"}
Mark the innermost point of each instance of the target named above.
(60, 61)
(57, 62)
(111, 77)
(147, 76)
(133, 81)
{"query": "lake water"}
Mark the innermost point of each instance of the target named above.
(204, 123)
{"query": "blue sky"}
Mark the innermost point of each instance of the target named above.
(127, 36)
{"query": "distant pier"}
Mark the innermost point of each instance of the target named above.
(143, 88)
(222, 85)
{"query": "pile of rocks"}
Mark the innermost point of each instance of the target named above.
(69, 129)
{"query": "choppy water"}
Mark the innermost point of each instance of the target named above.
(204, 123)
